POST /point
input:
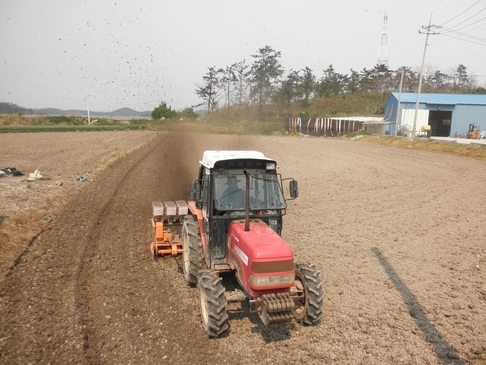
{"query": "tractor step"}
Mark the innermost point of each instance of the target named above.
(235, 296)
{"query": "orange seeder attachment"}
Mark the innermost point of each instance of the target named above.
(167, 238)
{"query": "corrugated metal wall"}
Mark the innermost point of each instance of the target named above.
(462, 114)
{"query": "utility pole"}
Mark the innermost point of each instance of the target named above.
(427, 30)
(87, 109)
(399, 117)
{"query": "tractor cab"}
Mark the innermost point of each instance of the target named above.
(225, 177)
(237, 185)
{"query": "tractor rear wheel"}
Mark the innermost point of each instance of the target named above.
(309, 290)
(213, 303)
(192, 250)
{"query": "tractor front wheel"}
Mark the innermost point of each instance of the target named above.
(213, 303)
(192, 250)
(310, 294)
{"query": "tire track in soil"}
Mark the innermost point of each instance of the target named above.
(132, 306)
(85, 288)
(86, 278)
(39, 307)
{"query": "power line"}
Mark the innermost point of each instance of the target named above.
(464, 11)
(456, 32)
(456, 26)
(466, 38)
(446, 29)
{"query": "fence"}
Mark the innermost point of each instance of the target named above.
(328, 127)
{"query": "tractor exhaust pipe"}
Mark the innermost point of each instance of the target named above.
(247, 201)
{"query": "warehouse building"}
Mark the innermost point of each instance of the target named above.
(442, 115)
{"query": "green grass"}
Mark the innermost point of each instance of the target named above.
(72, 124)
(65, 128)
(14, 123)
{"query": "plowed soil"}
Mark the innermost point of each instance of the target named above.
(397, 234)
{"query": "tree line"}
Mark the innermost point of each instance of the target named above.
(264, 81)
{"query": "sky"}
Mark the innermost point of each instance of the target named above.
(108, 54)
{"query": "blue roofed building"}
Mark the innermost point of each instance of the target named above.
(442, 115)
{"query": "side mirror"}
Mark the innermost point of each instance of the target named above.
(293, 189)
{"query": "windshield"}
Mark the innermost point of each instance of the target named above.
(265, 192)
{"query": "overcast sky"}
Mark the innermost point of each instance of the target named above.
(123, 53)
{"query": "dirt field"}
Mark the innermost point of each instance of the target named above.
(397, 234)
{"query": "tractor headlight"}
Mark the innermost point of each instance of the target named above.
(270, 166)
(271, 281)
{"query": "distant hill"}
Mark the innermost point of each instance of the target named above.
(122, 113)
(9, 108)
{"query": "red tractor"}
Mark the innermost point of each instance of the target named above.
(232, 224)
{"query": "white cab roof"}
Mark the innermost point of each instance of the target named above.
(211, 157)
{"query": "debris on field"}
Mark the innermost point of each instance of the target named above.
(2, 218)
(10, 171)
(34, 176)
(82, 178)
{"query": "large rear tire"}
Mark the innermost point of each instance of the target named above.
(310, 292)
(192, 250)
(213, 303)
